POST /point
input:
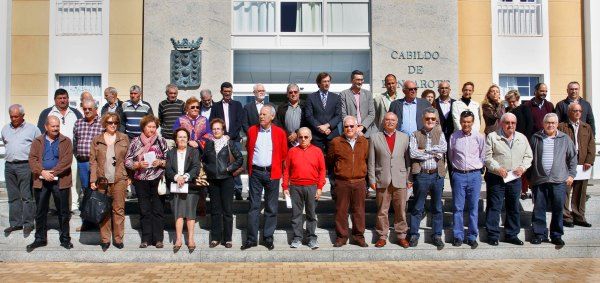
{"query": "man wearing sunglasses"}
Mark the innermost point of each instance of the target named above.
(84, 131)
(409, 109)
(290, 114)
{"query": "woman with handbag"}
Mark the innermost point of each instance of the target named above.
(146, 157)
(183, 165)
(222, 161)
(107, 161)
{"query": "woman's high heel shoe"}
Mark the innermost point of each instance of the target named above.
(192, 248)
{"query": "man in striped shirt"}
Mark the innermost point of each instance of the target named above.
(168, 111)
(133, 111)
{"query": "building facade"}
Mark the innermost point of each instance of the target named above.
(92, 44)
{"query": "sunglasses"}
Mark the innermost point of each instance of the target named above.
(412, 89)
(349, 126)
(430, 119)
(87, 109)
(292, 91)
(194, 107)
(112, 123)
(303, 137)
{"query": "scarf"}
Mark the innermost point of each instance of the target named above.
(147, 142)
(221, 143)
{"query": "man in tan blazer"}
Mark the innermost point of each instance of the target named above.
(389, 163)
(582, 136)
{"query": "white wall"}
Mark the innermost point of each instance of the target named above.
(520, 54)
(5, 34)
(77, 54)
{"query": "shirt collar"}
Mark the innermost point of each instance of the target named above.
(323, 93)
(20, 126)
(355, 93)
(575, 124)
(406, 102)
(389, 134)
(263, 130)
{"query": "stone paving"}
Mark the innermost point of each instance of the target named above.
(536, 270)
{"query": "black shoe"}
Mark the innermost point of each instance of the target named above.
(269, 245)
(536, 240)
(557, 241)
(247, 245)
(514, 241)
(568, 224)
(118, 245)
(457, 242)
(27, 230)
(437, 241)
(414, 241)
(104, 246)
(582, 224)
(238, 196)
(493, 242)
(66, 245)
(35, 245)
(473, 244)
(12, 229)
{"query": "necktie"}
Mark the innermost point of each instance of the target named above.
(324, 99)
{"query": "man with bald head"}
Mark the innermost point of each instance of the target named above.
(582, 135)
(409, 109)
(84, 131)
(388, 150)
(17, 137)
(507, 152)
(50, 161)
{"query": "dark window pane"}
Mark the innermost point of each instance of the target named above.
(288, 16)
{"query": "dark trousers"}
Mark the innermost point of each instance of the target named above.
(350, 195)
(151, 211)
(221, 213)
(260, 180)
(61, 200)
(304, 197)
(544, 195)
(237, 179)
(323, 144)
(497, 193)
(21, 206)
(577, 201)
(423, 184)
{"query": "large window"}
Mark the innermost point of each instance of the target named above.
(309, 16)
(519, 18)
(78, 17)
(523, 83)
(75, 85)
(283, 67)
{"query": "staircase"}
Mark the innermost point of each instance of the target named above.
(580, 242)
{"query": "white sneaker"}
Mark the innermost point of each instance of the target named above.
(313, 244)
(295, 244)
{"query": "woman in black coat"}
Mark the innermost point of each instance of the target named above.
(221, 158)
(183, 166)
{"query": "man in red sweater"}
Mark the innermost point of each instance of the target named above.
(267, 149)
(303, 180)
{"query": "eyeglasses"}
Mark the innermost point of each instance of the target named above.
(349, 126)
(303, 137)
(292, 91)
(87, 109)
(194, 107)
(112, 123)
(430, 119)
(577, 111)
(443, 87)
(411, 89)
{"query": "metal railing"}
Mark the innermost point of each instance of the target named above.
(78, 17)
(519, 19)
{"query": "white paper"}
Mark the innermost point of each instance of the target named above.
(583, 175)
(55, 178)
(150, 157)
(179, 190)
(510, 176)
(288, 202)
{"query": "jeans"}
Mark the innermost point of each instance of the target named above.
(61, 200)
(423, 184)
(465, 191)
(544, 195)
(303, 198)
(21, 205)
(258, 181)
(509, 193)
(221, 212)
(238, 179)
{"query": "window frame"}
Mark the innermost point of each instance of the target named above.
(524, 97)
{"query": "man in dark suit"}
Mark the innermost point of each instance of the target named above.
(409, 109)
(232, 113)
(443, 104)
(252, 108)
(323, 113)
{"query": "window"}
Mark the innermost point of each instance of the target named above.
(300, 17)
(78, 17)
(523, 83)
(519, 18)
(75, 85)
(283, 67)
(254, 16)
(348, 17)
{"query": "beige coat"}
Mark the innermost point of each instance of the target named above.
(499, 155)
(385, 168)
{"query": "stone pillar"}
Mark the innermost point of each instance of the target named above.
(415, 40)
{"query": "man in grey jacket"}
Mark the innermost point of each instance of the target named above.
(359, 103)
(553, 168)
(507, 156)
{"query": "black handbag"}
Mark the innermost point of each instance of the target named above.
(96, 206)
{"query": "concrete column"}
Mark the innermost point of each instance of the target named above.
(5, 34)
(592, 65)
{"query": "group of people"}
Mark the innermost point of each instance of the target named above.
(387, 143)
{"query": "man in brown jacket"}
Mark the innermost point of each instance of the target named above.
(348, 154)
(50, 161)
(582, 135)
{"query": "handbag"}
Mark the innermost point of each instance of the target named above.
(201, 180)
(97, 205)
(238, 171)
